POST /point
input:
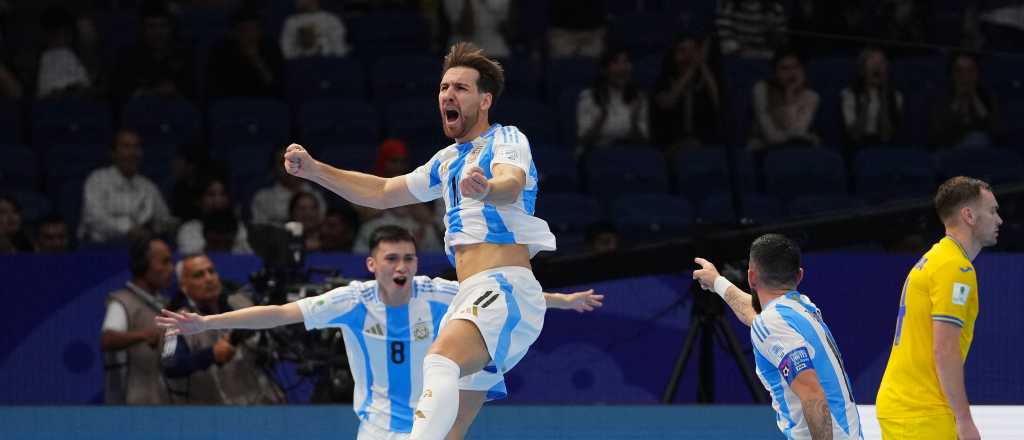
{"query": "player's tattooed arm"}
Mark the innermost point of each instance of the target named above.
(815, 406)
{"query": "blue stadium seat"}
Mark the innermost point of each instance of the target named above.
(556, 167)
(389, 32)
(521, 78)
(248, 168)
(402, 76)
(69, 121)
(651, 216)
(646, 70)
(570, 74)
(700, 172)
(417, 122)
(884, 173)
(641, 33)
(628, 169)
(568, 215)
(324, 77)
(10, 121)
(68, 197)
(19, 169)
(566, 103)
(794, 172)
(162, 121)
(247, 122)
(530, 115)
(156, 165)
(34, 205)
(821, 204)
(993, 165)
(334, 120)
(757, 209)
(358, 157)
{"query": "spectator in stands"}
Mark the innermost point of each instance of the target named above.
(577, 29)
(191, 168)
(61, 69)
(479, 21)
(213, 367)
(156, 65)
(392, 158)
(307, 210)
(119, 204)
(686, 97)
(872, 108)
(270, 205)
(784, 106)
(338, 230)
(601, 237)
(244, 64)
(13, 238)
(130, 338)
(52, 235)
(751, 28)
(614, 109)
(312, 32)
(217, 221)
(967, 114)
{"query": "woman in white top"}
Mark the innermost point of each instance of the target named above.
(614, 109)
(784, 106)
(213, 199)
(872, 109)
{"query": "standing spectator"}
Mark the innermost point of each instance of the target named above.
(118, 202)
(244, 64)
(217, 221)
(61, 70)
(479, 21)
(312, 31)
(156, 64)
(52, 235)
(967, 114)
(613, 110)
(306, 209)
(270, 205)
(577, 28)
(686, 97)
(784, 106)
(751, 28)
(12, 236)
(130, 338)
(872, 109)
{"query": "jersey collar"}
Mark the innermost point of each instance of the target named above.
(958, 246)
(468, 145)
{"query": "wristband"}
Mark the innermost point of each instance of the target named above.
(721, 286)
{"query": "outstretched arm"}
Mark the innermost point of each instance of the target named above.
(738, 300)
(359, 188)
(257, 317)
(585, 301)
(812, 398)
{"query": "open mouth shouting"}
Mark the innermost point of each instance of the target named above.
(400, 280)
(452, 117)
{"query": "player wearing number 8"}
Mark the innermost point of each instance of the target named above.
(387, 323)
(922, 394)
(797, 358)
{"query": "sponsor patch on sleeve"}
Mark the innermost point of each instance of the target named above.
(794, 362)
(960, 293)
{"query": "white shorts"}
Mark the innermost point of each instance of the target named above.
(370, 432)
(507, 305)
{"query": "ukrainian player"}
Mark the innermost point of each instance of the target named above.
(489, 185)
(922, 395)
(388, 325)
(796, 356)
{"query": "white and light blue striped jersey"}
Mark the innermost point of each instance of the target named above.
(469, 221)
(789, 336)
(385, 345)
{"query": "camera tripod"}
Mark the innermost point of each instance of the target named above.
(707, 321)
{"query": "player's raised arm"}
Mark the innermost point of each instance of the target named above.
(738, 300)
(359, 188)
(256, 317)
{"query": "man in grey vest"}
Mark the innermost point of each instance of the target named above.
(213, 367)
(130, 340)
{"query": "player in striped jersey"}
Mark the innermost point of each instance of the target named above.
(388, 325)
(796, 356)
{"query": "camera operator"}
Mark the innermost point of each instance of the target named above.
(215, 367)
(387, 324)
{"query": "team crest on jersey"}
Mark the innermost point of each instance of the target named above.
(421, 331)
(473, 154)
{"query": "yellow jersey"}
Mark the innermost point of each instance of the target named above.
(942, 286)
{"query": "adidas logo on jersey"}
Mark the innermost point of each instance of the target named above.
(375, 329)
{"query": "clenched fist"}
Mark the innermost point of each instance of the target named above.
(475, 185)
(298, 162)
